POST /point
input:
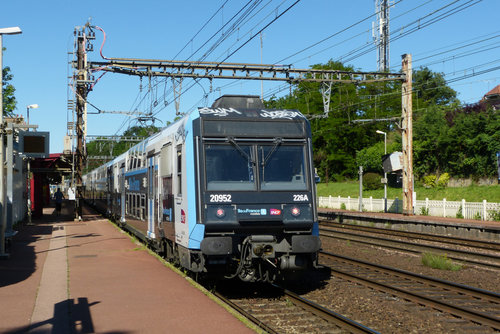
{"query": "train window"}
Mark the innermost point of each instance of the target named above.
(282, 167)
(229, 167)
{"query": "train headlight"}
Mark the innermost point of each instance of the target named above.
(295, 211)
(220, 213)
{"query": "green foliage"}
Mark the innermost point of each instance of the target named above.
(494, 215)
(106, 148)
(430, 181)
(442, 182)
(447, 139)
(439, 262)
(371, 157)
(9, 100)
(424, 211)
(371, 181)
(471, 193)
(431, 89)
(342, 206)
(459, 214)
(474, 137)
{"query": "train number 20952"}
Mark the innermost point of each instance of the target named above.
(220, 198)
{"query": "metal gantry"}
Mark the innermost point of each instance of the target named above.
(179, 70)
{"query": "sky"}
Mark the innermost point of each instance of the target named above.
(459, 38)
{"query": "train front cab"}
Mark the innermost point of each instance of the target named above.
(257, 193)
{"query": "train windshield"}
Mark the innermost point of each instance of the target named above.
(282, 167)
(232, 166)
(229, 167)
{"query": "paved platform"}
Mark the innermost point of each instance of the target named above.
(89, 277)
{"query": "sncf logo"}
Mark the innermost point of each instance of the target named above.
(275, 212)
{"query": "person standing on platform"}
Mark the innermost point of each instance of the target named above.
(59, 197)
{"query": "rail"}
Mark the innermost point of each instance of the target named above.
(477, 305)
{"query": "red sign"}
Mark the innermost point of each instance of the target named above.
(183, 217)
(275, 212)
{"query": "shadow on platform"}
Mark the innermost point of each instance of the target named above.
(21, 263)
(69, 317)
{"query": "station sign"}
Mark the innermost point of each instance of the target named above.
(34, 144)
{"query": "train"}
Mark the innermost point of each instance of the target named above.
(227, 191)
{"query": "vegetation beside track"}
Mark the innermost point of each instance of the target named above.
(470, 194)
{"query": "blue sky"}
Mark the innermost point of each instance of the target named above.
(459, 44)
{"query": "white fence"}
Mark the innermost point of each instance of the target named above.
(444, 208)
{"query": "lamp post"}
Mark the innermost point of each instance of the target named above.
(3, 202)
(385, 174)
(31, 106)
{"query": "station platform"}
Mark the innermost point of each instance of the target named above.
(66, 276)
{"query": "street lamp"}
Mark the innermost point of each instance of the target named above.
(3, 202)
(385, 174)
(31, 106)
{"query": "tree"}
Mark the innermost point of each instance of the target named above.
(430, 89)
(431, 142)
(9, 100)
(474, 139)
(341, 142)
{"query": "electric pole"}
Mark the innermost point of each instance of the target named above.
(407, 134)
(81, 97)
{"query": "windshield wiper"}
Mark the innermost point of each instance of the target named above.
(232, 142)
(277, 142)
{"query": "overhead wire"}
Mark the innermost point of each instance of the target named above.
(410, 28)
(242, 45)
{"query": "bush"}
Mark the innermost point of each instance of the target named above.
(439, 262)
(494, 215)
(432, 181)
(442, 182)
(424, 211)
(371, 181)
(429, 181)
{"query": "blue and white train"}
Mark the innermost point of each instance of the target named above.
(227, 190)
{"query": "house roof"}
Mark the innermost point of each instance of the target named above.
(494, 93)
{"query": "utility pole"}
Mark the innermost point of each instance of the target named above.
(381, 34)
(81, 97)
(407, 134)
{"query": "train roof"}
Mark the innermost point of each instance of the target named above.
(246, 107)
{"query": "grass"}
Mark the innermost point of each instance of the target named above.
(470, 194)
(439, 262)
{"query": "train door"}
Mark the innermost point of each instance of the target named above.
(123, 202)
(152, 163)
(180, 204)
(115, 192)
(109, 190)
(167, 194)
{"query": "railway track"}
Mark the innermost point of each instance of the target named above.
(475, 243)
(469, 303)
(476, 252)
(282, 311)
